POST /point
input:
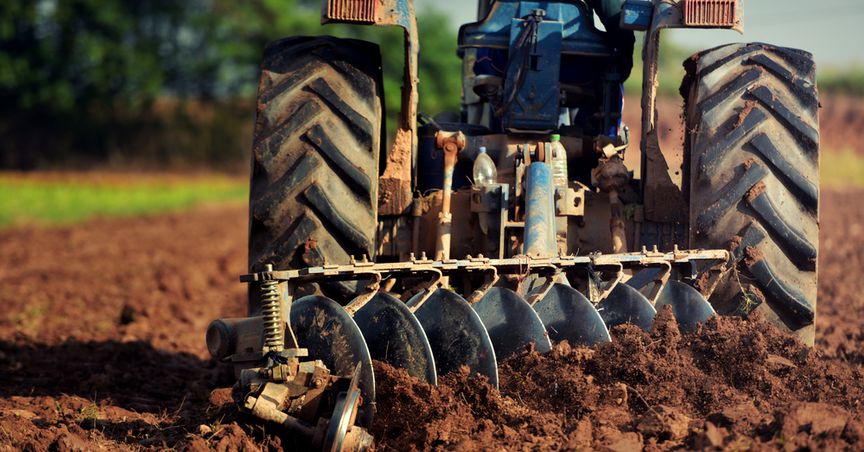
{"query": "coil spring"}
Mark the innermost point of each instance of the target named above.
(272, 311)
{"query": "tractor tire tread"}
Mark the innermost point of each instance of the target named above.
(315, 153)
(752, 163)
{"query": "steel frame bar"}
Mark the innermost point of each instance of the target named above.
(509, 266)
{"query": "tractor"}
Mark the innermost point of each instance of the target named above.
(523, 220)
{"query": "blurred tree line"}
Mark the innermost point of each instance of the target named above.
(167, 83)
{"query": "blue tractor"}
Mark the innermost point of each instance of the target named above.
(520, 221)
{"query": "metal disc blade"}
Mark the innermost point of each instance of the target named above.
(342, 418)
(688, 305)
(626, 305)
(396, 337)
(330, 334)
(568, 315)
(457, 335)
(511, 322)
(644, 277)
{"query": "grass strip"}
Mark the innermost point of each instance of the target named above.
(65, 198)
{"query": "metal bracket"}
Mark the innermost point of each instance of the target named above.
(367, 295)
(491, 279)
(427, 289)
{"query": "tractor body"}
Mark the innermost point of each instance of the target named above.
(401, 255)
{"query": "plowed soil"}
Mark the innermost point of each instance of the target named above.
(101, 347)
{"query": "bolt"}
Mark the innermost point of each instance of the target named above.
(318, 382)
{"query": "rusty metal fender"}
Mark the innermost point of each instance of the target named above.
(663, 199)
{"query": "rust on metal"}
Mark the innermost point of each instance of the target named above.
(611, 176)
(710, 13)
(616, 223)
(394, 186)
(450, 143)
(364, 11)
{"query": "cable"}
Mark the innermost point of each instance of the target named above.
(525, 42)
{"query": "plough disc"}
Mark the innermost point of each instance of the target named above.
(626, 305)
(512, 323)
(569, 316)
(456, 334)
(688, 305)
(395, 336)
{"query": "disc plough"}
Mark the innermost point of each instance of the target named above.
(412, 316)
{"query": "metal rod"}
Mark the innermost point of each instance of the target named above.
(540, 236)
(451, 143)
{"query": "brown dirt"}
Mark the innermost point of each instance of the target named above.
(744, 113)
(101, 346)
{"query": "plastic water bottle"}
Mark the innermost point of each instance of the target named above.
(559, 163)
(484, 172)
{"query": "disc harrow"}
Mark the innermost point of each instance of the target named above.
(431, 329)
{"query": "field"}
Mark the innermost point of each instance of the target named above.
(109, 281)
(101, 346)
(58, 198)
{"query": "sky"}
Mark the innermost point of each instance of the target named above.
(833, 30)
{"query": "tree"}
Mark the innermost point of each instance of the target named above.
(80, 77)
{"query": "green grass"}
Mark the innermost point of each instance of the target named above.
(64, 198)
(842, 80)
(841, 170)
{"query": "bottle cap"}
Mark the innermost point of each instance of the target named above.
(555, 137)
(482, 149)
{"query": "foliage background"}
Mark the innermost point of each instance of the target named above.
(166, 83)
(156, 83)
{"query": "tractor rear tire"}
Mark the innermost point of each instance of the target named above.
(752, 167)
(315, 156)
